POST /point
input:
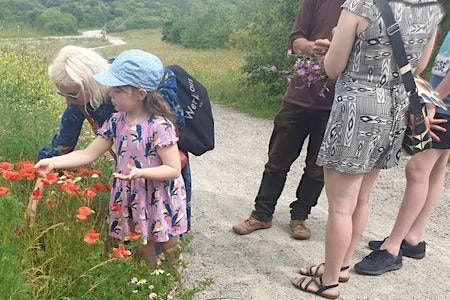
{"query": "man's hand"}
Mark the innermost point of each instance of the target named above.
(320, 46)
(43, 167)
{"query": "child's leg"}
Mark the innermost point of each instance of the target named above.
(148, 254)
(171, 250)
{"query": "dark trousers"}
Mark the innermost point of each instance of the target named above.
(292, 125)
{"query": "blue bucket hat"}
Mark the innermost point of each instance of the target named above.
(135, 68)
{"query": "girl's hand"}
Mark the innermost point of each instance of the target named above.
(44, 166)
(135, 173)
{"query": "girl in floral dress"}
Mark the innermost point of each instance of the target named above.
(148, 196)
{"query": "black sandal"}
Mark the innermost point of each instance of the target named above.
(310, 273)
(319, 284)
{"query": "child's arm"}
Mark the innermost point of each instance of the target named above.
(169, 169)
(74, 159)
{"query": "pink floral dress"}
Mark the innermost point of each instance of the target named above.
(154, 209)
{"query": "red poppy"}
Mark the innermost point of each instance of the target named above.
(96, 173)
(91, 237)
(98, 187)
(69, 187)
(108, 186)
(5, 166)
(3, 191)
(36, 195)
(28, 173)
(51, 178)
(12, 175)
(83, 213)
(84, 172)
(89, 193)
(25, 165)
(121, 252)
(134, 236)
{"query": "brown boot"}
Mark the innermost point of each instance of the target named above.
(299, 230)
(250, 225)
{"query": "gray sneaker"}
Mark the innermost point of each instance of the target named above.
(379, 262)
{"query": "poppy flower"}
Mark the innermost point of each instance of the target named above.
(3, 191)
(5, 166)
(108, 186)
(96, 173)
(51, 178)
(12, 175)
(28, 173)
(84, 172)
(134, 236)
(89, 193)
(121, 252)
(83, 213)
(69, 187)
(98, 187)
(25, 165)
(91, 237)
(36, 195)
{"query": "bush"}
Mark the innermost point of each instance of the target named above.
(57, 22)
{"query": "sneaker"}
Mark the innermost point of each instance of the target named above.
(379, 262)
(408, 250)
(299, 230)
(250, 225)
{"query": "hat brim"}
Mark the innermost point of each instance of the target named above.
(107, 78)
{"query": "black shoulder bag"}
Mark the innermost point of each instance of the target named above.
(417, 137)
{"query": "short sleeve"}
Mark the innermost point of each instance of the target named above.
(362, 8)
(164, 133)
(109, 127)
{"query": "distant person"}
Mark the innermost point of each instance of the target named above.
(72, 73)
(304, 115)
(425, 175)
(366, 125)
(148, 195)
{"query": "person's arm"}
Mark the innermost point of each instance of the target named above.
(443, 89)
(74, 159)
(169, 169)
(425, 56)
(337, 56)
(66, 138)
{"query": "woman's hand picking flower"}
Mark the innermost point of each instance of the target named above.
(43, 167)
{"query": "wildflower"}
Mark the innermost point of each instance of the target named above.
(12, 175)
(84, 172)
(69, 187)
(274, 69)
(36, 195)
(3, 191)
(91, 237)
(121, 252)
(152, 296)
(134, 280)
(142, 281)
(89, 193)
(83, 213)
(5, 166)
(157, 272)
(135, 291)
(95, 173)
(51, 178)
(98, 187)
(151, 286)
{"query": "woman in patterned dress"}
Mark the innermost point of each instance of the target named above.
(367, 122)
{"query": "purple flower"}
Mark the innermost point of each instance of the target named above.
(301, 72)
(311, 78)
(317, 67)
(274, 69)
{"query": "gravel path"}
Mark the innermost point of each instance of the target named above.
(260, 265)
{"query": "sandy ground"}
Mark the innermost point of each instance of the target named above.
(260, 265)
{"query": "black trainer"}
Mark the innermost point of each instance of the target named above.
(408, 250)
(379, 262)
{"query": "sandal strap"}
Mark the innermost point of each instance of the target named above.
(325, 287)
(312, 279)
(345, 268)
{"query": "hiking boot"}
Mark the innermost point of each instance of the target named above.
(379, 262)
(250, 225)
(299, 230)
(408, 250)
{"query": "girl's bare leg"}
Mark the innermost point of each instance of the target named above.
(171, 250)
(148, 254)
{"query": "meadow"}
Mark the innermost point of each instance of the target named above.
(55, 259)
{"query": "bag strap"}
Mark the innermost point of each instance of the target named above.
(398, 47)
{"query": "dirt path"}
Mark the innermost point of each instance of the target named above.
(260, 265)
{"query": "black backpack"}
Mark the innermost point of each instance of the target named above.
(197, 136)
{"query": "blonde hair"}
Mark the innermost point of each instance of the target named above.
(76, 66)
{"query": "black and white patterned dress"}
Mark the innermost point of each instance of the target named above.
(368, 116)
